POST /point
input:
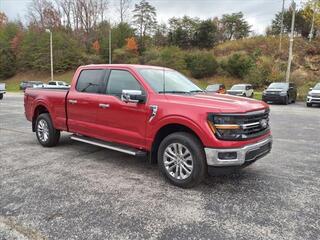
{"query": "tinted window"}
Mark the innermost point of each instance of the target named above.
(90, 81)
(121, 80)
(278, 86)
(51, 83)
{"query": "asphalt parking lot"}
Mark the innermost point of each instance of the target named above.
(79, 191)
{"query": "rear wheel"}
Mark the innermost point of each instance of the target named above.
(182, 160)
(47, 135)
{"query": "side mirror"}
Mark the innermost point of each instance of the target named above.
(310, 88)
(133, 96)
(290, 87)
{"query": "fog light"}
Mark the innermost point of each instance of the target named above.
(227, 155)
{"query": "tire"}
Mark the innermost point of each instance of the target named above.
(309, 104)
(1, 96)
(286, 100)
(191, 147)
(46, 134)
(252, 95)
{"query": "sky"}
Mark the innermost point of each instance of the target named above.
(258, 13)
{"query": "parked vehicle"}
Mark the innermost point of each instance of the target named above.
(217, 88)
(145, 110)
(30, 84)
(313, 96)
(2, 90)
(280, 92)
(245, 90)
(57, 84)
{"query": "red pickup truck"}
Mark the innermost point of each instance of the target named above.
(147, 110)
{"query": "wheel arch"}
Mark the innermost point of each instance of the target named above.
(166, 130)
(39, 109)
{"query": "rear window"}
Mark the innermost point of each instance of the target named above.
(91, 80)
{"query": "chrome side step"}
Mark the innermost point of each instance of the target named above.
(109, 145)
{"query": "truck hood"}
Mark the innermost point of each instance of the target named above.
(215, 102)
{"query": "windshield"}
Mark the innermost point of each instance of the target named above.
(174, 82)
(238, 87)
(278, 86)
(317, 86)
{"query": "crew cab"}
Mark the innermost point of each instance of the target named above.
(155, 112)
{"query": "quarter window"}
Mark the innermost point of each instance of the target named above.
(91, 81)
(121, 80)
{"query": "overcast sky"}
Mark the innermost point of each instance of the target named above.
(258, 13)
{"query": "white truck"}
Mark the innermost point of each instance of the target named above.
(2, 90)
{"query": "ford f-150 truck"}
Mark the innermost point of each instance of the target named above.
(156, 112)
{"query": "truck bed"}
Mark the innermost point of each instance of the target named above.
(50, 98)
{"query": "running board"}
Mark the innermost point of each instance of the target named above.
(111, 146)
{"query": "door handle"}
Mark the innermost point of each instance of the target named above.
(72, 101)
(103, 105)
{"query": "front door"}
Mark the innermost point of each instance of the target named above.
(119, 121)
(83, 102)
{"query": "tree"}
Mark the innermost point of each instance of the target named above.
(182, 31)
(132, 44)
(3, 19)
(234, 26)
(302, 25)
(144, 19)
(124, 6)
(206, 34)
(160, 36)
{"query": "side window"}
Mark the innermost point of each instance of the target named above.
(121, 80)
(91, 80)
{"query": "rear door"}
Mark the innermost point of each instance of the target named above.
(119, 121)
(83, 101)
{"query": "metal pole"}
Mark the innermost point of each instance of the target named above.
(312, 24)
(110, 52)
(51, 56)
(281, 28)
(291, 42)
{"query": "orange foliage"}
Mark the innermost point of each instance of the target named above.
(132, 44)
(96, 46)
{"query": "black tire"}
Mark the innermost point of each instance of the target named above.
(252, 95)
(286, 100)
(1, 96)
(309, 104)
(53, 134)
(196, 150)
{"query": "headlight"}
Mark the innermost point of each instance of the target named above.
(239, 126)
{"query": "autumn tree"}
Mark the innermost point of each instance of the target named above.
(96, 46)
(144, 19)
(132, 44)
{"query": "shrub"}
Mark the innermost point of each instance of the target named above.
(122, 55)
(201, 64)
(237, 65)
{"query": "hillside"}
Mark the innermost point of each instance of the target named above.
(264, 51)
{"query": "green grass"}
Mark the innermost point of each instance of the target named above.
(257, 95)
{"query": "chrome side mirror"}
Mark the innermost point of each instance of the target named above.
(310, 89)
(133, 96)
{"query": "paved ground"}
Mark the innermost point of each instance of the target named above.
(78, 191)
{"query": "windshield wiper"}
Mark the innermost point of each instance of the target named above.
(89, 85)
(182, 92)
(195, 91)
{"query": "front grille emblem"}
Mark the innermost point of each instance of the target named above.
(264, 123)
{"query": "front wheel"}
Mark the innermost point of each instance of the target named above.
(182, 160)
(1, 96)
(309, 104)
(47, 135)
(286, 100)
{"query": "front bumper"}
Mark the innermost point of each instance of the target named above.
(313, 99)
(247, 153)
(273, 98)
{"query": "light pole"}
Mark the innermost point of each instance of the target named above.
(51, 56)
(293, 7)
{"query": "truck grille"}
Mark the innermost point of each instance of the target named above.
(241, 126)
